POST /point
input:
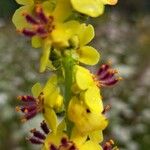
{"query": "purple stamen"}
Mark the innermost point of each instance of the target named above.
(30, 98)
(42, 32)
(30, 107)
(28, 32)
(106, 76)
(40, 14)
(104, 68)
(53, 147)
(27, 98)
(44, 127)
(38, 134)
(72, 148)
(31, 114)
(64, 142)
(110, 82)
(34, 140)
(31, 20)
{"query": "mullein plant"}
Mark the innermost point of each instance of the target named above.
(59, 28)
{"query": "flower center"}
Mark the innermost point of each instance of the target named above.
(65, 145)
(106, 76)
(31, 106)
(40, 24)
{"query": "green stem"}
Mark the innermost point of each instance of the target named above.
(68, 63)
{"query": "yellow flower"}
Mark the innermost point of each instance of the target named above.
(83, 78)
(82, 35)
(92, 8)
(45, 24)
(86, 118)
(21, 18)
(46, 100)
(60, 141)
(88, 100)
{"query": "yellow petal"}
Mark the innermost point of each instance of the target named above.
(96, 136)
(62, 126)
(36, 42)
(18, 19)
(62, 10)
(90, 145)
(60, 36)
(52, 97)
(83, 78)
(36, 89)
(25, 2)
(51, 118)
(77, 137)
(86, 34)
(88, 55)
(50, 91)
(50, 66)
(92, 99)
(48, 6)
(92, 122)
(110, 2)
(52, 139)
(45, 56)
(93, 8)
(85, 121)
(63, 32)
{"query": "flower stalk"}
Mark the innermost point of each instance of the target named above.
(68, 64)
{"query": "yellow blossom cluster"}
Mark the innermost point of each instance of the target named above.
(70, 101)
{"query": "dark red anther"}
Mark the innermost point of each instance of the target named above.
(53, 147)
(28, 32)
(72, 148)
(31, 98)
(40, 14)
(34, 140)
(30, 107)
(42, 32)
(110, 82)
(107, 148)
(31, 19)
(64, 141)
(103, 68)
(44, 127)
(30, 114)
(106, 76)
(38, 134)
(26, 98)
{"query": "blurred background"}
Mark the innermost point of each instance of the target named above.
(122, 36)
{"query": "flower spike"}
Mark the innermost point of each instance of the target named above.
(72, 91)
